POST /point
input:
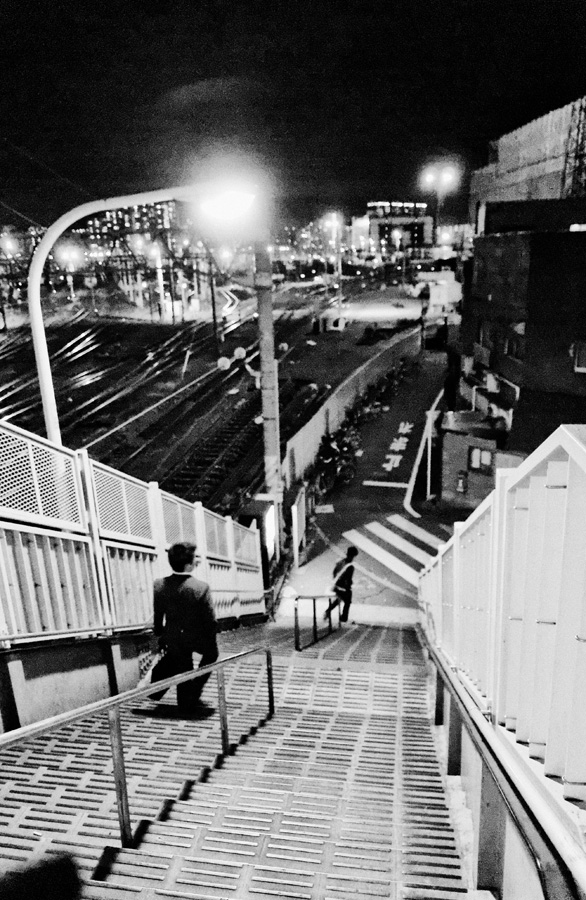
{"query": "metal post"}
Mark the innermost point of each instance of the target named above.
(197, 275)
(160, 283)
(329, 611)
(213, 298)
(339, 266)
(120, 776)
(223, 712)
(172, 289)
(429, 424)
(314, 621)
(295, 534)
(296, 625)
(270, 683)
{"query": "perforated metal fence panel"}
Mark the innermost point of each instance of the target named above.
(216, 535)
(122, 504)
(38, 481)
(179, 519)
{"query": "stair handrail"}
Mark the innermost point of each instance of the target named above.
(112, 705)
(316, 637)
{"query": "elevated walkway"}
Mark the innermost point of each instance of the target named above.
(338, 795)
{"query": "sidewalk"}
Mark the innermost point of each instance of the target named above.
(369, 513)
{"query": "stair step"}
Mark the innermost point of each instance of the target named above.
(338, 796)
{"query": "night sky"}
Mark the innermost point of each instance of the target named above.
(341, 102)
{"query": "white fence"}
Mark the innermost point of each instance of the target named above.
(504, 601)
(81, 544)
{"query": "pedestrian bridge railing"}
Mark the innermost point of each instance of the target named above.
(81, 544)
(112, 707)
(503, 605)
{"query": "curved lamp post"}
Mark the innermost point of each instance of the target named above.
(224, 210)
(35, 276)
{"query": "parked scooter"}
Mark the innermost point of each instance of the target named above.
(335, 464)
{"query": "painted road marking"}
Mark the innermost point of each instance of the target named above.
(394, 484)
(406, 547)
(387, 559)
(415, 531)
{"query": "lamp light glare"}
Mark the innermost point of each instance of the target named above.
(228, 206)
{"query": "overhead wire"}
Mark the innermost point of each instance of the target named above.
(44, 165)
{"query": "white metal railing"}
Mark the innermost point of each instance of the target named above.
(504, 602)
(81, 544)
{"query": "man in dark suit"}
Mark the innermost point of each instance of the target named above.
(185, 623)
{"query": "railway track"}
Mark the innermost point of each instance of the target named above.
(200, 439)
(123, 384)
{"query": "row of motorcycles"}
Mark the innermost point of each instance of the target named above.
(336, 459)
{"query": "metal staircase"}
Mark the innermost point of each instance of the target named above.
(339, 795)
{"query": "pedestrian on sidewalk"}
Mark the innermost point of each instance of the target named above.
(343, 575)
(185, 623)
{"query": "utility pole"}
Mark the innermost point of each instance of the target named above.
(269, 380)
(339, 268)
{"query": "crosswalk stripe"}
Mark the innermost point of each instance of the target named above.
(400, 543)
(383, 556)
(415, 530)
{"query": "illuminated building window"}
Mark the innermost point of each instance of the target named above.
(480, 460)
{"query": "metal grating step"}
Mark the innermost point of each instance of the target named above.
(339, 796)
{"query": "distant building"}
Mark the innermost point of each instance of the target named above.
(520, 362)
(105, 229)
(397, 225)
(543, 160)
(522, 352)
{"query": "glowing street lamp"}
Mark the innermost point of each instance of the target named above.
(334, 221)
(8, 245)
(70, 257)
(439, 179)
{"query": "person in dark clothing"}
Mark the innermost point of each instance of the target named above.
(185, 623)
(343, 575)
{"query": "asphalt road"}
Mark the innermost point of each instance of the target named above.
(370, 512)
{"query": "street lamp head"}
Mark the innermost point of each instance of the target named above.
(69, 255)
(440, 178)
(8, 244)
(429, 178)
(448, 177)
(228, 206)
